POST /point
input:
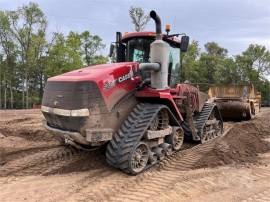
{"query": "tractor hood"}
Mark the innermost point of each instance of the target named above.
(98, 73)
(103, 85)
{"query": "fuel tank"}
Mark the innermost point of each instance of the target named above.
(91, 101)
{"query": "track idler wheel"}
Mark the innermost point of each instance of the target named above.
(167, 148)
(160, 153)
(176, 139)
(139, 158)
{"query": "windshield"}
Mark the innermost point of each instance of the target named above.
(138, 50)
(174, 66)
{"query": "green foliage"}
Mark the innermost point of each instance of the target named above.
(215, 67)
(61, 57)
(91, 44)
(139, 18)
(190, 64)
(255, 62)
(213, 49)
(212, 61)
(27, 59)
(99, 59)
(72, 52)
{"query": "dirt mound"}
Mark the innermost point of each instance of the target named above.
(241, 145)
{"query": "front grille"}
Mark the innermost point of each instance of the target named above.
(71, 96)
(65, 123)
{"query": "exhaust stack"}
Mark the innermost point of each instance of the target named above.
(157, 20)
(159, 53)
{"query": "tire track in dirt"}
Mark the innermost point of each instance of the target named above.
(49, 161)
(262, 196)
(22, 164)
(20, 153)
(215, 187)
(158, 176)
(32, 135)
(139, 188)
(18, 120)
(158, 188)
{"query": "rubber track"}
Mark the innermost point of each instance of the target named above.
(129, 134)
(202, 117)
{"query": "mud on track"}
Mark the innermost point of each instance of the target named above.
(41, 170)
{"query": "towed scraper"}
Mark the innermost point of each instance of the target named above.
(236, 102)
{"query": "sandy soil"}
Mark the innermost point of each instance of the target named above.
(34, 167)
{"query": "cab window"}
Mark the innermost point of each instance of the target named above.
(138, 50)
(174, 67)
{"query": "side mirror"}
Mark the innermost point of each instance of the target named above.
(184, 43)
(111, 50)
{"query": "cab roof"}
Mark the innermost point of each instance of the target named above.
(174, 41)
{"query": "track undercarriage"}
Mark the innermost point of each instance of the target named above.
(148, 135)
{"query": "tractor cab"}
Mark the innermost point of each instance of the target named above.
(135, 47)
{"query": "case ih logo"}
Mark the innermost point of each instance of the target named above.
(110, 84)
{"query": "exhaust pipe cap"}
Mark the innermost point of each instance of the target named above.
(157, 20)
(153, 14)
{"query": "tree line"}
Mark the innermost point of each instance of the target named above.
(214, 66)
(28, 57)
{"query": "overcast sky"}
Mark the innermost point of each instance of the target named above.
(234, 24)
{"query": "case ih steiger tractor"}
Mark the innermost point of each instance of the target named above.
(136, 106)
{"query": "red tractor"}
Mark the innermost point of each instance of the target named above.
(136, 106)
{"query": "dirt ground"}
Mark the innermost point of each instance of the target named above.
(34, 167)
